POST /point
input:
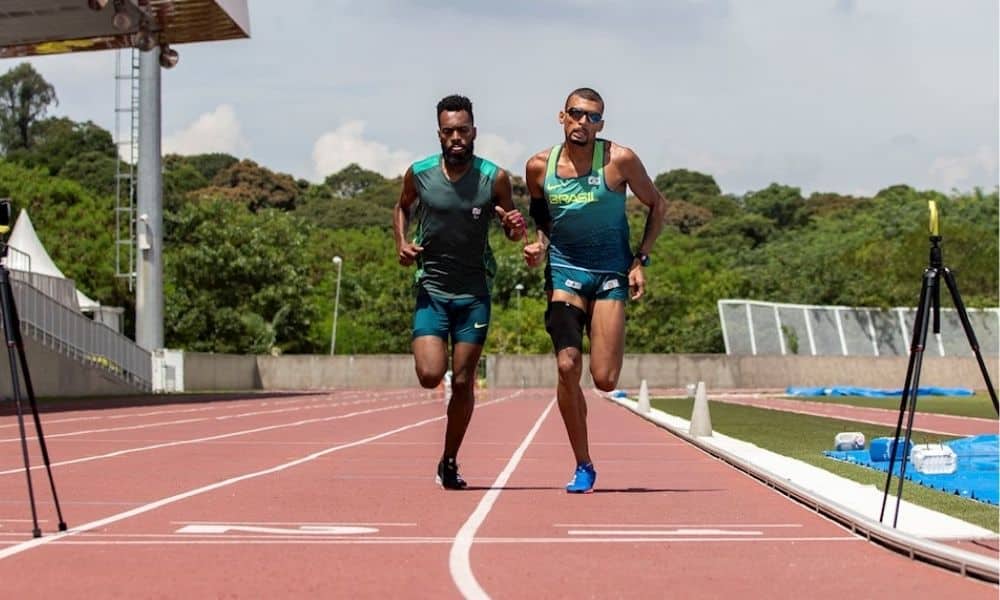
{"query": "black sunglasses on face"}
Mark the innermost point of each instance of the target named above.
(592, 116)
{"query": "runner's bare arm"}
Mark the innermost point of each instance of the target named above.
(534, 178)
(635, 175)
(406, 251)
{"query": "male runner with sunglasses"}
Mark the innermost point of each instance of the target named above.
(456, 195)
(577, 193)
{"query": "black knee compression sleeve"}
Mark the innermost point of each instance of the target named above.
(565, 322)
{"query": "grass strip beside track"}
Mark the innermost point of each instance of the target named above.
(979, 405)
(805, 437)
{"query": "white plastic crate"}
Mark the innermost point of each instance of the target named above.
(933, 459)
(849, 440)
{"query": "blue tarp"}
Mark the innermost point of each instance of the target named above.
(977, 475)
(845, 390)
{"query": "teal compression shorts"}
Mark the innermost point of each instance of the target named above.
(462, 319)
(591, 285)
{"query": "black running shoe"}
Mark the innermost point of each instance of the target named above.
(448, 477)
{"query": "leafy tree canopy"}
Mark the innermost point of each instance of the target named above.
(25, 97)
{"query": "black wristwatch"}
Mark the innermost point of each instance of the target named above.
(642, 257)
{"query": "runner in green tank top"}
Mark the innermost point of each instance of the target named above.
(453, 197)
(578, 203)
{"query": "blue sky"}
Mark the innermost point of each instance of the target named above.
(847, 96)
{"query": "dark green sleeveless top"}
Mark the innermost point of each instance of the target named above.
(453, 222)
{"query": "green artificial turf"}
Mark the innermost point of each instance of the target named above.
(979, 405)
(805, 437)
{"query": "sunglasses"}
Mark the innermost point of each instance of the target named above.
(592, 116)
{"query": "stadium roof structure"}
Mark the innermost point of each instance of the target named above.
(40, 27)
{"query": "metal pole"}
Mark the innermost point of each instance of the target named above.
(149, 225)
(336, 305)
(517, 289)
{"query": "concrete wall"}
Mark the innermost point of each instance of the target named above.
(308, 372)
(57, 375)
(722, 371)
(203, 372)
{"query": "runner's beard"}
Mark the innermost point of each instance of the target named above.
(576, 142)
(457, 160)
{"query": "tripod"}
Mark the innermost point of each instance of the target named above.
(930, 302)
(12, 336)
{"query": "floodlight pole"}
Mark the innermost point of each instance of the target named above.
(149, 213)
(336, 306)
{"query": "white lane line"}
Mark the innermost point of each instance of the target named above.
(345, 398)
(648, 532)
(311, 530)
(35, 542)
(458, 558)
(303, 540)
(679, 525)
(109, 429)
(299, 523)
(217, 437)
(185, 421)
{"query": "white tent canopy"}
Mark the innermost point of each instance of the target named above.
(26, 253)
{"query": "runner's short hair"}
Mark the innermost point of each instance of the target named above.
(455, 103)
(587, 94)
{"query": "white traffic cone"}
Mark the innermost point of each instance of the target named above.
(701, 421)
(643, 397)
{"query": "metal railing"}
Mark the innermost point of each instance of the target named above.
(73, 334)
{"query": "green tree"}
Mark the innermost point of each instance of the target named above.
(235, 281)
(253, 186)
(95, 171)
(209, 165)
(180, 178)
(682, 184)
(780, 203)
(25, 96)
(826, 204)
(75, 226)
(57, 140)
(685, 216)
(738, 232)
(351, 181)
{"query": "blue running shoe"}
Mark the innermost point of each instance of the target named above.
(583, 480)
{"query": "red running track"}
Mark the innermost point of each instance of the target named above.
(332, 495)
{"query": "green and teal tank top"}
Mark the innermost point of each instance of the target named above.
(589, 227)
(453, 221)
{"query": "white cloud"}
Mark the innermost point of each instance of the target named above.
(216, 131)
(336, 149)
(961, 171)
(509, 155)
(870, 88)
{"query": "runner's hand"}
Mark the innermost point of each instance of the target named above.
(512, 221)
(637, 281)
(408, 253)
(534, 253)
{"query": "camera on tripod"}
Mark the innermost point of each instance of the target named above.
(19, 369)
(928, 310)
